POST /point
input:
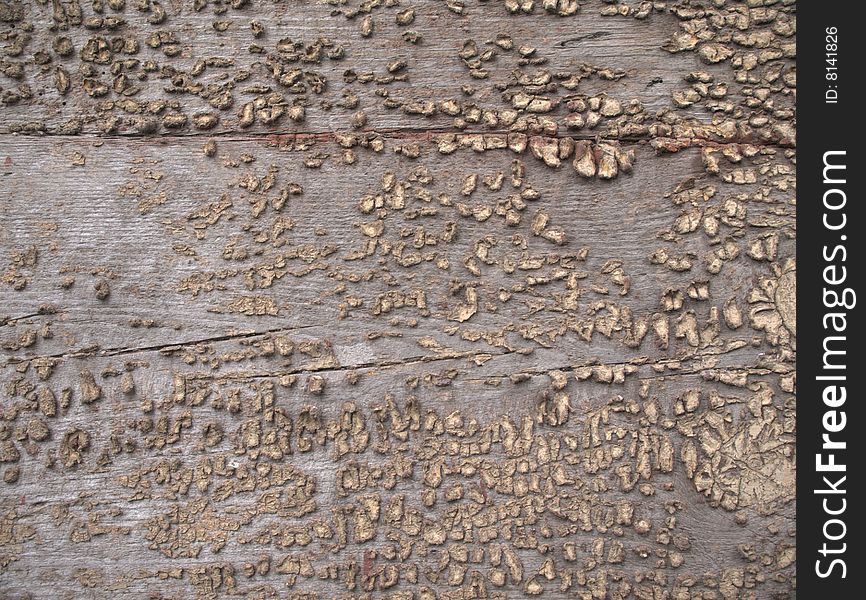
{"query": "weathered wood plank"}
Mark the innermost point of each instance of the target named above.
(486, 348)
(382, 82)
(135, 231)
(135, 217)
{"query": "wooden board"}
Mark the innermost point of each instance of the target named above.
(397, 300)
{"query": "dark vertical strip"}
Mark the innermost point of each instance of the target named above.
(830, 450)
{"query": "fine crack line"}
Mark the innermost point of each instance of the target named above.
(123, 350)
(383, 364)
(397, 133)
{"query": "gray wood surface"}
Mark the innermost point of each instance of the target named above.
(397, 299)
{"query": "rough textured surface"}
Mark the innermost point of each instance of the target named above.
(418, 299)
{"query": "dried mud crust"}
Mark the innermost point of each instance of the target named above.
(416, 299)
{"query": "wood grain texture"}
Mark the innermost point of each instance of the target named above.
(397, 299)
